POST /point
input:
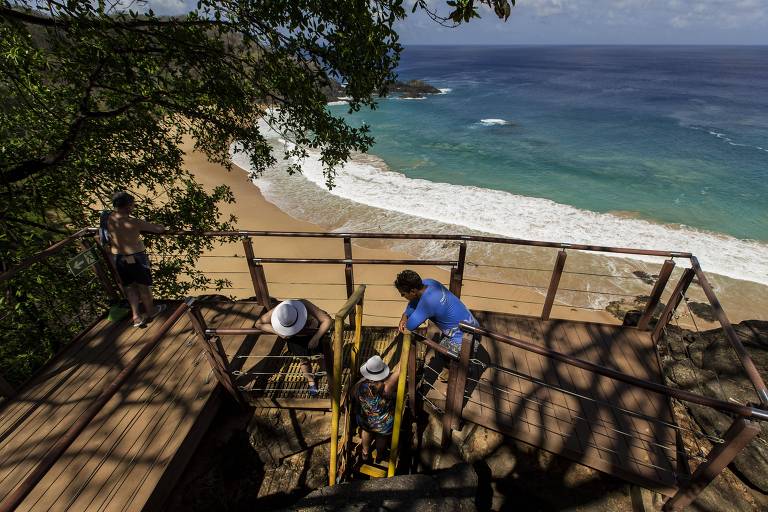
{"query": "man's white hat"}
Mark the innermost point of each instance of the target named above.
(375, 369)
(289, 317)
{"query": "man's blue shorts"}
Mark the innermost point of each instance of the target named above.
(134, 268)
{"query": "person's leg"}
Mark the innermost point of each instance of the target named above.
(133, 300)
(306, 369)
(146, 299)
(381, 445)
(367, 437)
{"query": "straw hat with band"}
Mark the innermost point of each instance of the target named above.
(375, 369)
(289, 317)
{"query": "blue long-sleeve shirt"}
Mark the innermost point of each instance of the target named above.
(438, 304)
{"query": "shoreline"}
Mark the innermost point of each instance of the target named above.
(324, 284)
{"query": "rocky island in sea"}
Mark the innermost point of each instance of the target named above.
(411, 89)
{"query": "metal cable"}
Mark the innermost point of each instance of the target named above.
(475, 264)
(603, 423)
(602, 402)
(591, 445)
(506, 283)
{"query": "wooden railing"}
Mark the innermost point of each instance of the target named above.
(743, 429)
(457, 267)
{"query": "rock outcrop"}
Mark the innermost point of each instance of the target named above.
(411, 89)
(705, 363)
(451, 490)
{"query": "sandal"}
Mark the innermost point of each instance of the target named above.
(142, 322)
(158, 309)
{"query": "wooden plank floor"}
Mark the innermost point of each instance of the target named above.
(569, 411)
(120, 461)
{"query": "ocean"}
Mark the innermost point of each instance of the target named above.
(648, 147)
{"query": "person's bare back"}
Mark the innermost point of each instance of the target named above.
(126, 233)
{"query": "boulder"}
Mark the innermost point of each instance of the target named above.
(451, 490)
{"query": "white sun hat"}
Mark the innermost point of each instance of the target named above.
(289, 317)
(375, 369)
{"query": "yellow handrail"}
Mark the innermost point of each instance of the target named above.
(399, 404)
(338, 353)
(353, 299)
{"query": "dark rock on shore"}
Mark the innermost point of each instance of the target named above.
(705, 363)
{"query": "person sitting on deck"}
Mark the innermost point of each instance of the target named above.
(430, 300)
(130, 256)
(302, 325)
(374, 399)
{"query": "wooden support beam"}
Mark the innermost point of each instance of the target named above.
(448, 416)
(674, 301)
(658, 289)
(557, 272)
(412, 380)
(348, 270)
(109, 264)
(736, 438)
(457, 384)
(467, 347)
(107, 283)
(256, 270)
(457, 272)
(334, 382)
(215, 354)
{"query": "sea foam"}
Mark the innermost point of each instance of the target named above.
(497, 212)
(493, 122)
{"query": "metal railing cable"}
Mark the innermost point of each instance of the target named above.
(581, 396)
(619, 455)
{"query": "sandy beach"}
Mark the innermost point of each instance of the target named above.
(585, 287)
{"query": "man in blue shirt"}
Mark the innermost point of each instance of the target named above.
(430, 300)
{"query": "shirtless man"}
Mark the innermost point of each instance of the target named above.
(131, 258)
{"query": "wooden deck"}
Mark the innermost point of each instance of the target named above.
(129, 456)
(569, 411)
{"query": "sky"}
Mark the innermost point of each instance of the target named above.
(695, 22)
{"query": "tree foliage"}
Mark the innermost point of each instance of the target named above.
(98, 98)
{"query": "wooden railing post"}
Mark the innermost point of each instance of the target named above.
(349, 276)
(214, 353)
(557, 272)
(100, 274)
(457, 385)
(109, 264)
(448, 416)
(457, 272)
(348, 270)
(335, 380)
(412, 379)
(6, 389)
(736, 438)
(658, 289)
(674, 301)
(258, 278)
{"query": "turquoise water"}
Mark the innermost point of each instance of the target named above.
(673, 135)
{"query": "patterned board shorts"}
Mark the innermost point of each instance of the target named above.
(452, 338)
